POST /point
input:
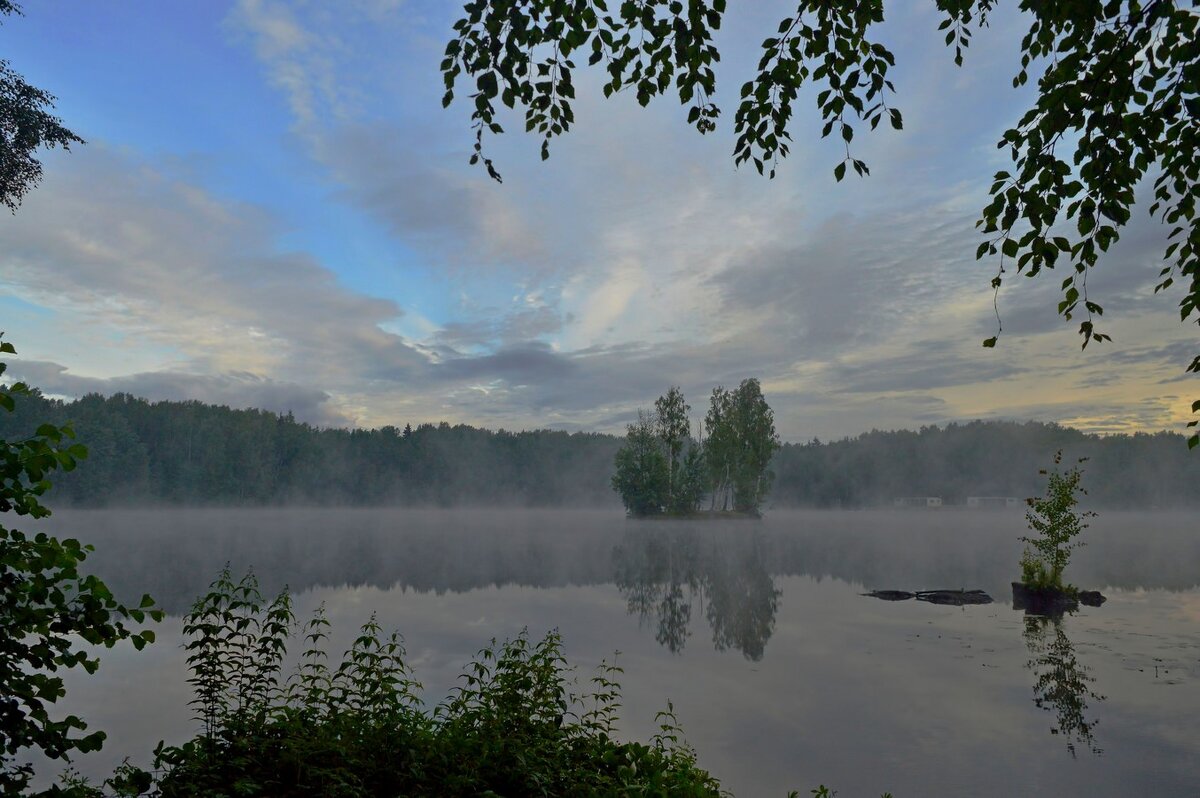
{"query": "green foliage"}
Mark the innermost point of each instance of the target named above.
(1057, 522)
(741, 442)
(983, 458)
(674, 428)
(197, 454)
(1116, 103)
(642, 473)
(25, 126)
(660, 469)
(719, 446)
(514, 726)
(692, 483)
(49, 611)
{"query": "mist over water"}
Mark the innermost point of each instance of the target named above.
(174, 554)
(783, 675)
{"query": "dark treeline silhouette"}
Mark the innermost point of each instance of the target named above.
(191, 453)
(985, 458)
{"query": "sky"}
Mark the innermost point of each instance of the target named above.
(274, 210)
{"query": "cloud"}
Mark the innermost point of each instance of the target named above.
(934, 364)
(113, 243)
(236, 390)
(578, 290)
(431, 202)
(518, 365)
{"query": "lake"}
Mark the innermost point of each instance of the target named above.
(782, 674)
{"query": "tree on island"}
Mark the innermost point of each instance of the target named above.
(662, 470)
(741, 442)
(1116, 106)
(641, 469)
(671, 413)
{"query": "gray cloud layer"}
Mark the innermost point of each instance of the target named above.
(239, 391)
(637, 258)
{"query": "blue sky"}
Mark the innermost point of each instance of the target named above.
(273, 209)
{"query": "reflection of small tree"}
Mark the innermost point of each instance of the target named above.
(661, 575)
(1057, 521)
(1063, 685)
(742, 601)
(651, 571)
(674, 617)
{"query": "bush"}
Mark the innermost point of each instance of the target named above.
(1057, 521)
(513, 727)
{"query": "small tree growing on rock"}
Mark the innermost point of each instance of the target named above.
(1057, 521)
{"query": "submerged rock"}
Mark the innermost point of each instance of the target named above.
(955, 598)
(891, 595)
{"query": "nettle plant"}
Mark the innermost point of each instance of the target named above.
(1057, 521)
(515, 725)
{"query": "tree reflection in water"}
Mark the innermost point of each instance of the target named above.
(664, 573)
(1064, 685)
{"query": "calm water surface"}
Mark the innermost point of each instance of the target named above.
(782, 674)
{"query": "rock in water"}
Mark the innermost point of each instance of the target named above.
(891, 595)
(956, 598)
(1048, 601)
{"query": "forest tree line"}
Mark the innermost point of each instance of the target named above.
(191, 453)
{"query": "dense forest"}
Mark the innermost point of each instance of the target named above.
(985, 458)
(196, 454)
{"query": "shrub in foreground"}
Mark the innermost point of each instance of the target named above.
(514, 726)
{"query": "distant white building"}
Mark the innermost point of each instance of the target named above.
(993, 502)
(912, 502)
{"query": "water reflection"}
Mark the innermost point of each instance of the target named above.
(174, 554)
(1063, 685)
(663, 574)
(915, 698)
